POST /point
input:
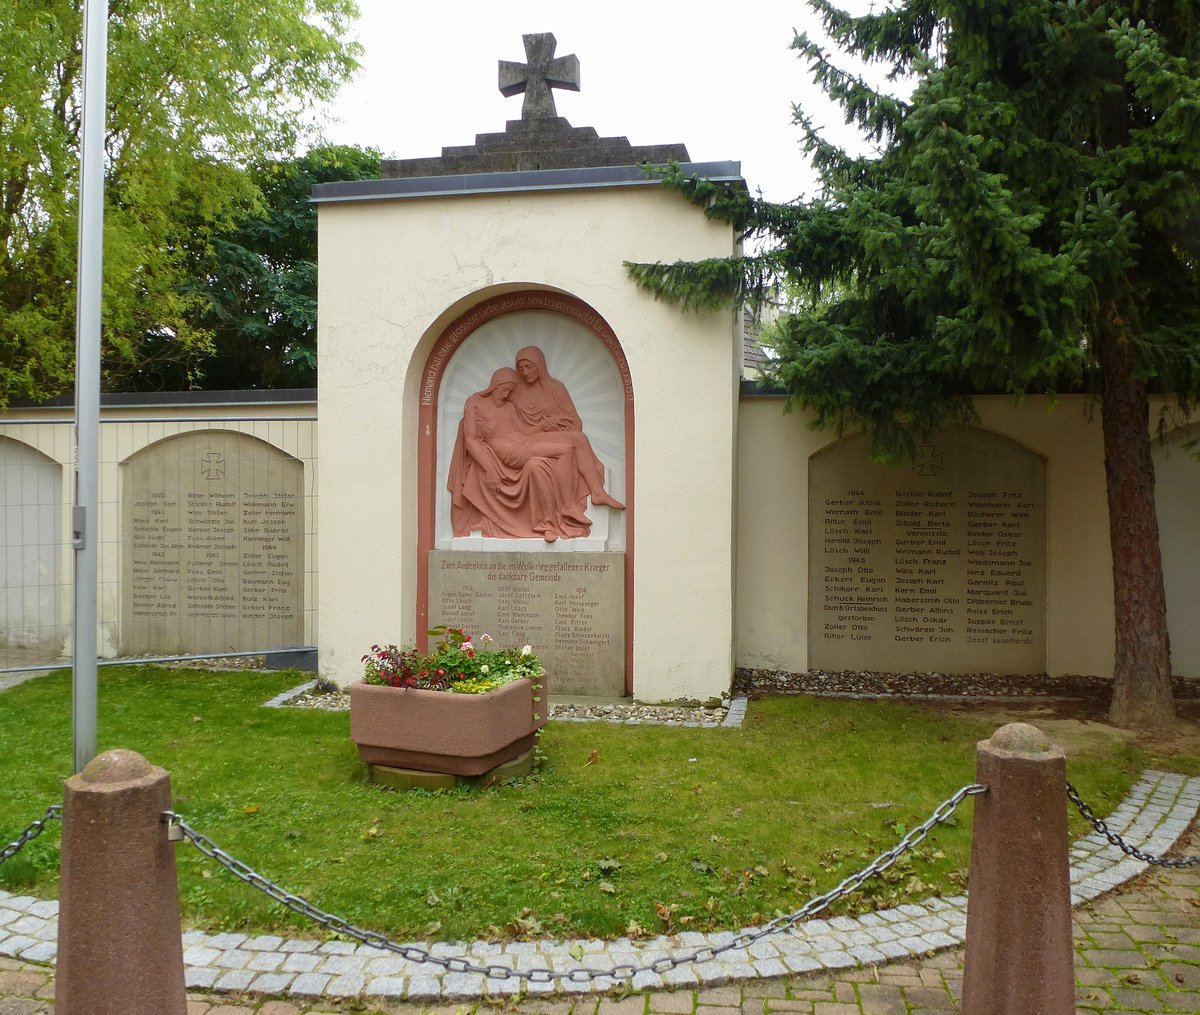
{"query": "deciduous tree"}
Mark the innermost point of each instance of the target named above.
(258, 282)
(195, 91)
(1029, 221)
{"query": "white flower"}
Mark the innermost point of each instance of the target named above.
(527, 650)
(483, 668)
(486, 639)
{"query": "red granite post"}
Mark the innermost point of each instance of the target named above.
(1020, 956)
(120, 951)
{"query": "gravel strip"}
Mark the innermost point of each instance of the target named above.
(756, 683)
(622, 712)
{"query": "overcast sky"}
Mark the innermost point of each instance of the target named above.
(722, 82)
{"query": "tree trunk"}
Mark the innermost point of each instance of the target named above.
(1142, 668)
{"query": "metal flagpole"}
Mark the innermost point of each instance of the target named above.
(87, 378)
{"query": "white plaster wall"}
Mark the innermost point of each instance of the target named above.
(772, 579)
(394, 273)
(1177, 489)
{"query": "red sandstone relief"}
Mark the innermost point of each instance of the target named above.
(522, 466)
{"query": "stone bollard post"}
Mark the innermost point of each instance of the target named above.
(1020, 955)
(120, 950)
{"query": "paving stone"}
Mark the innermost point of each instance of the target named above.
(881, 999)
(672, 1003)
(234, 979)
(726, 996)
(299, 945)
(344, 965)
(424, 988)
(263, 943)
(20, 981)
(386, 986)
(225, 941)
(300, 962)
(44, 951)
(1181, 974)
(1127, 959)
(1136, 1000)
(337, 947)
(1187, 1001)
(199, 978)
(271, 983)
(347, 985)
(309, 984)
(927, 997)
(233, 958)
(622, 1006)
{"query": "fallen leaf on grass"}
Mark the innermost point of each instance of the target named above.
(593, 757)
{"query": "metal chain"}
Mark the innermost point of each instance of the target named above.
(1121, 844)
(625, 971)
(53, 813)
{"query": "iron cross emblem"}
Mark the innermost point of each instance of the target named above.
(212, 466)
(929, 460)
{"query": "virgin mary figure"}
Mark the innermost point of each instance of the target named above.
(543, 405)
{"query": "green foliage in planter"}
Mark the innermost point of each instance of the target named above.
(456, 664)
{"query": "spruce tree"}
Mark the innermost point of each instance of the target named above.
(1028, 221)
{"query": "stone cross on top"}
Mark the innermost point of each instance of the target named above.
(542, 72)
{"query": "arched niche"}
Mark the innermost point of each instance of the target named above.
(934, 565)
(31, 548)
(212, 546)
(1177, 494)
(569, 596)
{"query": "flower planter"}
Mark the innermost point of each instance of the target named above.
(436, 731)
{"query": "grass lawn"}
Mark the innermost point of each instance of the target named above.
(667, 829)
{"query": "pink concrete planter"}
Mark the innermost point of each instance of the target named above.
(435, 731)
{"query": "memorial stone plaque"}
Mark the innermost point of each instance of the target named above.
(213, 546)
(936, 565)
(569, 606)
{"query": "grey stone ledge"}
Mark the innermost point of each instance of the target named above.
(283, 697)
